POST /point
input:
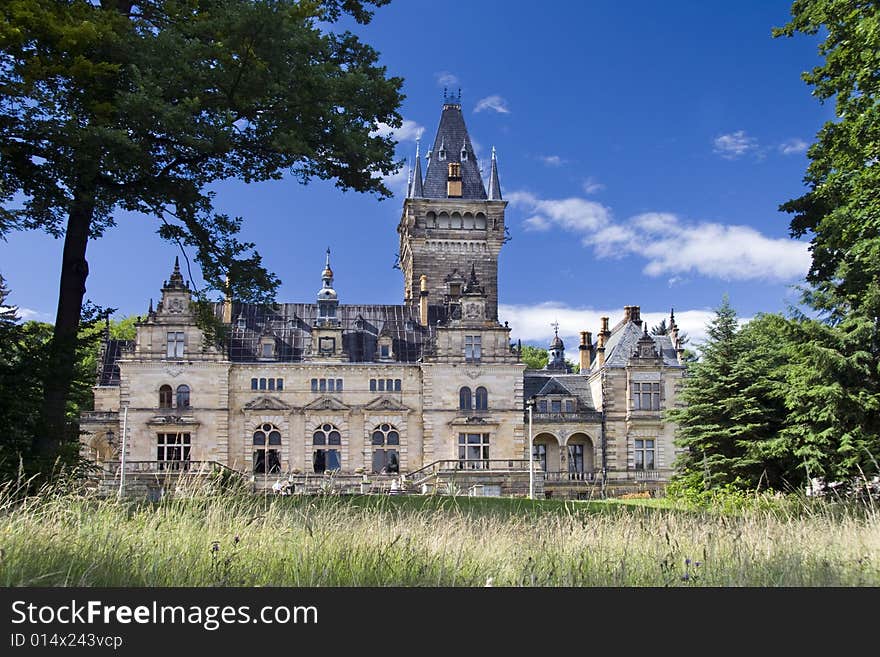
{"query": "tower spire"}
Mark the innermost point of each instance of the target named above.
(494, 183)
(415, 190)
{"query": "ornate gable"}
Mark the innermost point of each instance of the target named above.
(326, 404)
(266, 403)
(386, 404)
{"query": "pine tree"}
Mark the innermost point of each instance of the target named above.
(731, 407)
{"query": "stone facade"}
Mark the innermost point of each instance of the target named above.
(431, 385)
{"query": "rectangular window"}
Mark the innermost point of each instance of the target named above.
(253, 384)
(314, 385)
(262, 384)
(556, 406)
(539, 454)
(173, 451)
(389, 384)
(279, 384)
(397, 385)
(472, 348)
(645, 396)
(385, 351)
(473, 451)
(569, 406)
(576, 458)
(322, 385)
(331, 385)
(175, 344)
(542, 406)
(338, 385)
(372, 385)
(381, 385)
(268, 350)
(271, 384)
(644, 454)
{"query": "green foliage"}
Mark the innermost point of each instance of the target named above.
(833, 391)
(140, 105)
(535, 358)
(731, 408)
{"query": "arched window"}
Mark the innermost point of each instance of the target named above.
(464, 399)
(165, 396)
(183, 396)
(326, 448)
(386, 458)
(481, 399)
(267, 449)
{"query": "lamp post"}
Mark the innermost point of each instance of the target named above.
(122, 452)
(531, 405)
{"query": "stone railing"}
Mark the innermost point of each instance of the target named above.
(647, 475)
(588, 476)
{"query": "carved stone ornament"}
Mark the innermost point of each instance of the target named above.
(176, 306)
(173, 371)
(473, 374)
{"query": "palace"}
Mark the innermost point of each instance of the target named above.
(430, 393)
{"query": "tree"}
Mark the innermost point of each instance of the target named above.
(731, 407)
(139, 104)
(835, 392)
(535, 358)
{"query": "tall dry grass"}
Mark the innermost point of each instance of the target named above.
(64, 539)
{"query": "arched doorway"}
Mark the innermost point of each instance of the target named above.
(545, 450)
(579, 457)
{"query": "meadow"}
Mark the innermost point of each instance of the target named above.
(58, 538)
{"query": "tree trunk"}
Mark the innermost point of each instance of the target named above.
(56, 387)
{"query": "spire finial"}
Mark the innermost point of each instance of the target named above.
(176, 265)
(328, 258)
(494, 183)
(555, 326)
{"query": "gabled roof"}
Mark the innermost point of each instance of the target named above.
(538, 383)
(624, 338)
(452, 134)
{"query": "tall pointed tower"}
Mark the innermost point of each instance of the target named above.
(450, 225)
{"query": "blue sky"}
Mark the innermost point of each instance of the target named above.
(644, 148)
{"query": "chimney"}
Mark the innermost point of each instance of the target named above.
(600, 343)
(227, 304)
(627, 313)
(423, 300)
(585, 349)
(635, 314)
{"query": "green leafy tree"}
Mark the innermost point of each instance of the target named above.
(834, 396)
(138, 105)
(535, 358)
(731, 407)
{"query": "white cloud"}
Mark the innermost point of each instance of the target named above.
(496, 103)
(445, 79)
(551, 160)
(670, 246)
(532, 323)
(734, 145)
(592, 186)
(728, 252)
(793, 146)
(574, 214)
(28, 314)
(408, 131)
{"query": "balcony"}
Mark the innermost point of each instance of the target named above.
(587, 476)
(576, 416)
(647, 475)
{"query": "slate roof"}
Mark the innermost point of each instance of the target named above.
(290, 324)
(451, 134)
(108, 368)
(623, 340)
(538, 383)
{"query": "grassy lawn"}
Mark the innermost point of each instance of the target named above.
(243, 540)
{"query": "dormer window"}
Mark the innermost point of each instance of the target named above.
(455, 289)
(464, 153)
(441, 154)
(453, 181)
(267, 348)
(385, 348)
